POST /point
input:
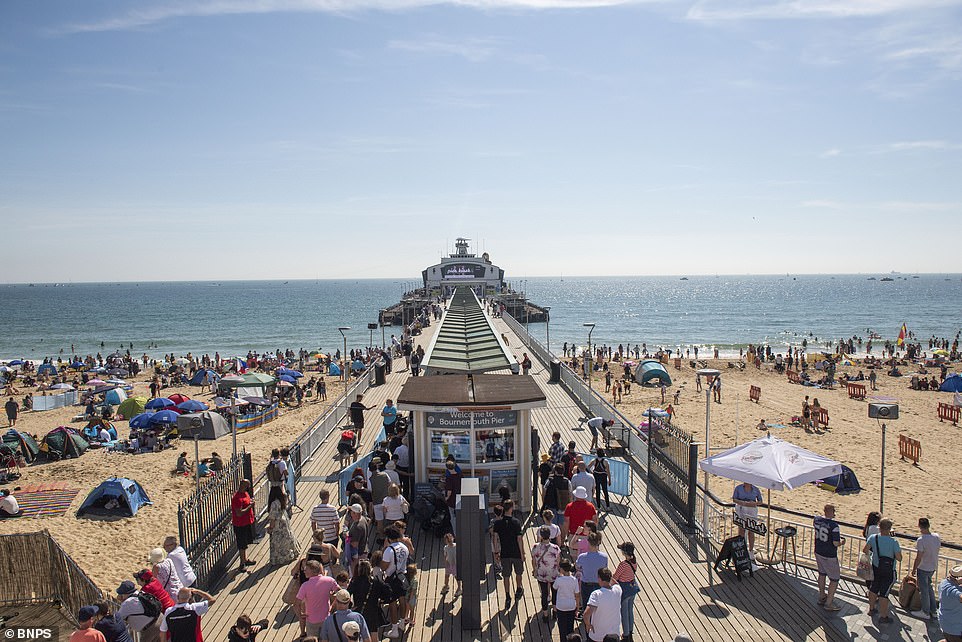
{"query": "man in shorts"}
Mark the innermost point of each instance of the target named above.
(828, 540)
(511, 535)
(747, 499)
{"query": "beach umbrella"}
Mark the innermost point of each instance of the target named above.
(178, 398)
(168, 417)
(287, 372)
(287, 379)
(285, 384)
(159, 403)
(140, 421)
(101, 389)
(97, 369)
(76, 365)
(192, 405)
(119, 382)
(96, 382)
(258, 401)
(116, 355)
(771, 463)
(940, 352)
(15, 362)
(118, 372)
(61, 386)
(5, 369)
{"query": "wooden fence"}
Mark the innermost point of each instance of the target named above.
(792, 376)
(754, 393)
(820, 417)
(35, 570)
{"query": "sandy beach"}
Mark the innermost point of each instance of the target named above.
(110, 551)
(931, 489)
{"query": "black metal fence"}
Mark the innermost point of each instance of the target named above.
(203, 521)
(673, 466)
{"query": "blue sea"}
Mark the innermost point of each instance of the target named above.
(232, 317)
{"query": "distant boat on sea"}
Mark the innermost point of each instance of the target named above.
(886, 279)
(871, 278)
(684, 278)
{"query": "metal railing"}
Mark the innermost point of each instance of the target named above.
(589, 399)
(719, 525)
(204, 516)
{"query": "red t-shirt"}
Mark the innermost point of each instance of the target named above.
(238, 503)
(154, 588)
(578, 512)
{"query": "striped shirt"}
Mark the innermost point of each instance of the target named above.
(325, 516)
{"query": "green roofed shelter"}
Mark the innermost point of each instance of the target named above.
(466, 341)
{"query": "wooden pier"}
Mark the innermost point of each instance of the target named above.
(680, 592)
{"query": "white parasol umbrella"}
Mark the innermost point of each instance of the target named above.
(771, 463)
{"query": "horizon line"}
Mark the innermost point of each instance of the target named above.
(518, 278)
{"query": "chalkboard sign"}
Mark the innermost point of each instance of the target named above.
(735, 549)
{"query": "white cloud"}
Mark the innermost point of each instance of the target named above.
(918, 145)
(710, 10)
(471, 49)
(831, 153)
(171, 10)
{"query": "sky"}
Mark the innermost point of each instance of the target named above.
(241, 139)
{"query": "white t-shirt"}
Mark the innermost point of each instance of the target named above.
(393, 508)
(607, 615)
(554, 528)
(567, 587)
(398, 553)
(10, 505)
(401, 452)
(928, 549)
(182, 566)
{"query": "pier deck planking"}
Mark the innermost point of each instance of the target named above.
(679, 590)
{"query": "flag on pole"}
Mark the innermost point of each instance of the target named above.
(241, 365)
(902, 334)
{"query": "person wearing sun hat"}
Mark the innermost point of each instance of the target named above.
(86, 618)
(165, 572)
(950, 605)
(349, 622)
(577, 513)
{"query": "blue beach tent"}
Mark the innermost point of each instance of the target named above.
(651, 369)
(115, 497)
(115, 397)
(952, 383)
(333, 370)
(198, 378)
(843, 484)
(47, 368)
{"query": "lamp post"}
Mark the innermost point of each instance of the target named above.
(547, 327)
(709, 375)
(381, 320)
(588, 361)
(342, 329)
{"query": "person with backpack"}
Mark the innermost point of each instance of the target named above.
(557, 493)
(886, 552)
(140, 611)
(276, 476)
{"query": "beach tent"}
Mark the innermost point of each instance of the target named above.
(843, 484)
(250, 384)
(178, 398)
(333, 370)
(47, 368)
(131, 407)
(198, 378)
(115, 497)
(650, 369)
(23, 443)
(952, 383)
(115, 397)
(213, 425)
(63, 443)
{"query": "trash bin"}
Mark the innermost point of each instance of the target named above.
(555, 371)
(379, 374)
